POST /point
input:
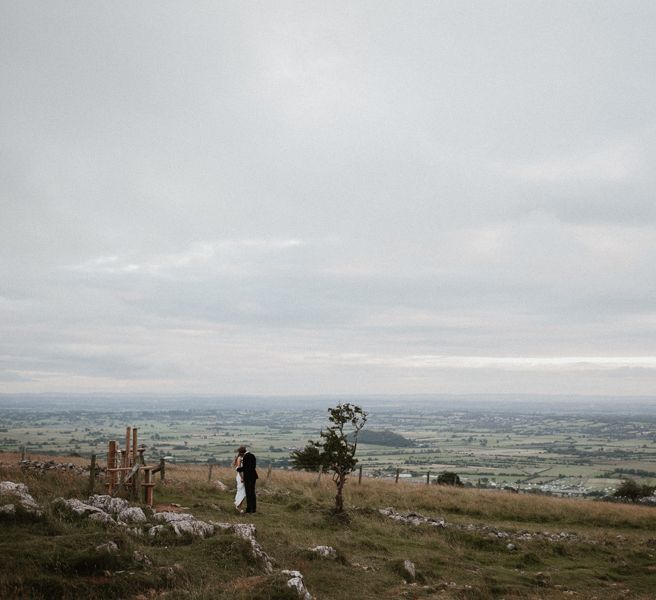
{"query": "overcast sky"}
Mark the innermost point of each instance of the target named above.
(328, 197)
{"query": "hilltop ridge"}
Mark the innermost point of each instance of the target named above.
(400, 541)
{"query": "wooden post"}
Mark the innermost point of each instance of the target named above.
(427, 477)
(92, 474)
(396, 480)
(136, 481)
(134, 446)
(319, 476)
(126, 455)
(162, 468)
(110, 474)
(148, 486)
(360, 476)
(209, 474)
(120, 465)
(22, 451)
(268, 473)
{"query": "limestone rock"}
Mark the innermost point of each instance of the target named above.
(109, 548)
(20, 491)
(246, 531)
(132, 514)
(8, 509)
(221, 486)
(157, 530)
(108, 504)
(412, 518)
(324, 552)
(182, 523)
(409, 570)
(76, 506)
(297, 583)
(102, 517)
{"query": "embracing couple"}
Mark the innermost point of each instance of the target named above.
(244, 464)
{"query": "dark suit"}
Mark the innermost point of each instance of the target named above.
(247, 469)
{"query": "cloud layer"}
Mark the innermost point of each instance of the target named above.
(328, 198)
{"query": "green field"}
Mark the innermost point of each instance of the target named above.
(565, 454)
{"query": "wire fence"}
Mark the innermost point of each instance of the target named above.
(172, 470)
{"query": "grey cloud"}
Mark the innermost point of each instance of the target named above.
(200, 195)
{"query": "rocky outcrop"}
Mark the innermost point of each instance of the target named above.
(324, 552)
(75, 506)
(524, 535)
(103, 509)
(246, 531)
(297, 583)
(23, 498)
(184, 524)
(412, 518)
(119, 508)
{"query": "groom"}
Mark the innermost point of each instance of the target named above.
(249, 473)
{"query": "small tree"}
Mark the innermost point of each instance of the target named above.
(448, 478)
(632, 490)
(338, 444)
(308, 459)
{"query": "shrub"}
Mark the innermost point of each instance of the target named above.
(632, 490)
(449, 478)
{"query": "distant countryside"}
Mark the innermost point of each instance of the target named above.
(554, 450)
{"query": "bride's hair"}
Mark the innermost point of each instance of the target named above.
(240, 452)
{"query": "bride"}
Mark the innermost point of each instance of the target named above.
(240, 496)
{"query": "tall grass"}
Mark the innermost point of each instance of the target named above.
(456, 504)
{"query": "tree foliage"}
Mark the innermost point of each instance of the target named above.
(632, 490)
(307, 459)
(449, 478)
(338, 444)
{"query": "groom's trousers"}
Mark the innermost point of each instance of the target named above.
(249, 484)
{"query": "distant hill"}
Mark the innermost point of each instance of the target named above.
(384, 438)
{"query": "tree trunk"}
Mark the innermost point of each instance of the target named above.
(339, 500)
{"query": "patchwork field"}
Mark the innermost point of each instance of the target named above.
(552, 451)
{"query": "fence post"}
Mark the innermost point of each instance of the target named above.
(397, 476)
(427, 477)
(319, 476)
(360, 476)
(22, 451)
(126, 454)
(136, 483)
(209, 474)
(110, 473)
(268, 472)
(92, 474)
(162, 468)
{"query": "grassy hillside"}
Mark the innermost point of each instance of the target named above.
(495, 545)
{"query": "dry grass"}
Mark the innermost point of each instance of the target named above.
(293, 516)
(458, 504)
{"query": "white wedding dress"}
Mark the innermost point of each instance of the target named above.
(240, 496)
